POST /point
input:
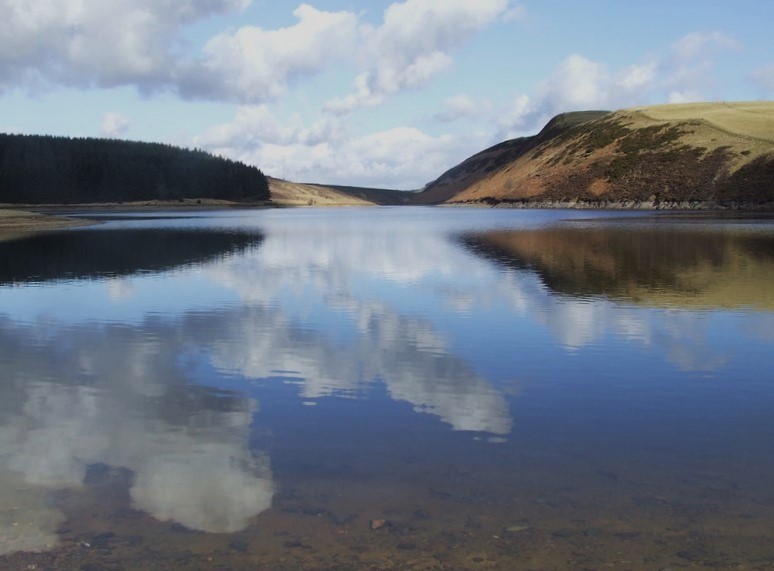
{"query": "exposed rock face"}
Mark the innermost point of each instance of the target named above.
(721, 154)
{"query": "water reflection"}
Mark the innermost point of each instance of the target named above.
(119, 395)
(93, 254)
(419, 352)
(657, 267)
(406, 354)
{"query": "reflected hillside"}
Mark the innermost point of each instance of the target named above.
(660, 267)
(112, 253)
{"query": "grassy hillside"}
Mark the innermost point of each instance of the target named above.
(383, 196)
(659, 156)
(286, 193)
(479, 168)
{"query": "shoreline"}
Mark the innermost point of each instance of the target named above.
(633, 205)
(17, 223)
(17, 220)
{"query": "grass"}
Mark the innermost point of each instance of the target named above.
(753, 119)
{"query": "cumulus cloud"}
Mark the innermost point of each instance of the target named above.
(253, 64)
(411, 46)
(96, 42)
(110, 43)
(684, 73)
(325, 151)
(114, 125)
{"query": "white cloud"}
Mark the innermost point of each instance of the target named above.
(410, 47)
(458, 107)
(699, 45)
(325, 151)
(95, 42)
(253, 64)
(576, 84)
(110, 43)
(685, 73)
(114, 125)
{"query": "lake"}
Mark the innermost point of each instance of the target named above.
(389, 388)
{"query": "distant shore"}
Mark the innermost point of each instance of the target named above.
(16, 223)
(616, 205)
(17, 220)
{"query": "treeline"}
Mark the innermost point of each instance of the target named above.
(38, 169)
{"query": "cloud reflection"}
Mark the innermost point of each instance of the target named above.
(336, 262)
(405, 353)
(124, 394)
(119, 395)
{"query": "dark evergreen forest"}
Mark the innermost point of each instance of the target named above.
(38, 169)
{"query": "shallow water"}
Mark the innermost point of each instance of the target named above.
(391, 388)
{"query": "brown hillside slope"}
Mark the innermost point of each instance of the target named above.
(712, 153)
(480, 167)
(287, 193)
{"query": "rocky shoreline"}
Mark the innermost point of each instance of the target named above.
(617, 205)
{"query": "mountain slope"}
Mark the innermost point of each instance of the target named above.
(286, 193)
(38, 169)
(653, 156)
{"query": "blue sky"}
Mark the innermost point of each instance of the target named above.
(378, 93)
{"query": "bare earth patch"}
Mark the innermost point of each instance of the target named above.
(16, 223)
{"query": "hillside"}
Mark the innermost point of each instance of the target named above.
(656, 156)
(285, 193)
(383, 196)
(58, 170)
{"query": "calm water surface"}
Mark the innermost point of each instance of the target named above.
(389, 388)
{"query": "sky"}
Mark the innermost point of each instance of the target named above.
(374, 93)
